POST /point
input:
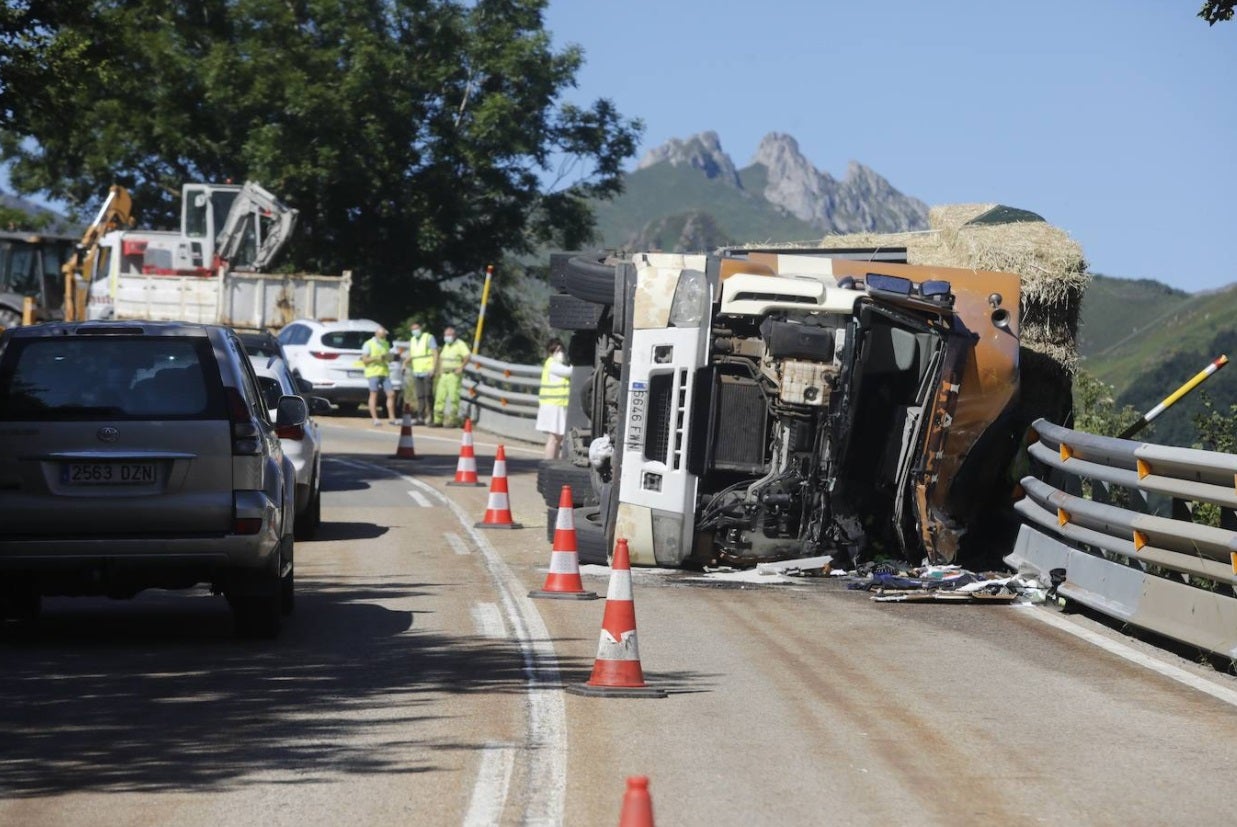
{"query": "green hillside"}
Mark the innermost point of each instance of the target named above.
(1140, 301)
(663, 190)
(1153, 331)
(1146, 339)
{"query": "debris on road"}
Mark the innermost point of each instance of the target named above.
(900, 583)
(802, 567)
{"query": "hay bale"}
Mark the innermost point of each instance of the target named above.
(1051, 266)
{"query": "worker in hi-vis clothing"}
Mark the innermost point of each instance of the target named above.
(553, 397)
(419, 372)
(452, 356)
(376, 356)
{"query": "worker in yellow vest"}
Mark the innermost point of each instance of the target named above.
(452, 357)
(553, 397)
(419, 372)
(376, 356)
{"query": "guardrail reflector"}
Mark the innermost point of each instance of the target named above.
(1066, 452)
(1140, 540)
(1144, 468)
(1062, 516)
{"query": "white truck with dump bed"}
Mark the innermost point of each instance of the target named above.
(756, 405)
(211, 270)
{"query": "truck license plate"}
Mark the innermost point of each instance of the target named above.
(355, 374)
(108, 473)
(634, 438)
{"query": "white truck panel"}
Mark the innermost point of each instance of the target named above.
(238, 299)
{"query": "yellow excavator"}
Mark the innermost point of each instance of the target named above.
(115, 214)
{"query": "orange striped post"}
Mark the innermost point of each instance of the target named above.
(466, 468)
(616, 671)
(498, 508)
(563, 580)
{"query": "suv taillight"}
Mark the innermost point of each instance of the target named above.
(246, 434)
(323, 354)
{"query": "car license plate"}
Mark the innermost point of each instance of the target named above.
(638, 403)
(108, 473)
(355, 374)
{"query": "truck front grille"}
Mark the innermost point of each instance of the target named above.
(739, 425)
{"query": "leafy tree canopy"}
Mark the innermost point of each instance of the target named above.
(418, 138)
(1214, 11)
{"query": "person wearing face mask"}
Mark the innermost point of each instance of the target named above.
(419, 372)
(452, 357)
(553, 397)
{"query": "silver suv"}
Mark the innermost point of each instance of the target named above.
(139, 455)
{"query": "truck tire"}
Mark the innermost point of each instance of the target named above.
(573, 313)
(553, 474)
(589, 278)
(590, 539)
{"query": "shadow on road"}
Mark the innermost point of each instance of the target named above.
(157, 694)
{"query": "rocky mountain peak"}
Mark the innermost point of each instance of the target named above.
(703, 152)
(862, 202)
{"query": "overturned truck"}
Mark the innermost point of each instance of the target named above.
(761, 404)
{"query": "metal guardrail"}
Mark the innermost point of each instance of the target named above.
(501, 397)
(1132, 550)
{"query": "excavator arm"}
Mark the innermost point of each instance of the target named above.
(116, 213)
(258, 226)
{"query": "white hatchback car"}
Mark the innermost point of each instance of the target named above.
(328, 354)
(302, 444)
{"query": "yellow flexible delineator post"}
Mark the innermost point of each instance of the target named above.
(1174, 397)
(485, 298)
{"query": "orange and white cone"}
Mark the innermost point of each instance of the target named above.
(498, 509)
(637, 803)
(466, 468)
(563, 580)
(617, 672)
(405, 449)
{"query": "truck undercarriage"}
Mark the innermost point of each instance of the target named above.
(796, 414)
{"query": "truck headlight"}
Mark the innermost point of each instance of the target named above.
(690, 297)
(668, 538)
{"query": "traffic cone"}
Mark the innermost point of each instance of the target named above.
(498, 509)
(466, 468)
(637, 804)
(406, 449)
(563, 580)
(617, 672)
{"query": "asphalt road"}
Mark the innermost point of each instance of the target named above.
(418, 684)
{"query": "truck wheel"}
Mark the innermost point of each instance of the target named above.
(572, 313)
(589, 278)
(553, 474)
(590, 536)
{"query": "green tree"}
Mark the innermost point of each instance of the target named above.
(1096, 411)
(1214, 11)
(15, 220)
(420, 139)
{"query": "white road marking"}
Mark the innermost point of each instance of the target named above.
(545, 794)
(493, 778)
(457, 544)
(419, 499)
(488, 620)
(1133, 656)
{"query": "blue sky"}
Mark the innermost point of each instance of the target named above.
(1116, 121)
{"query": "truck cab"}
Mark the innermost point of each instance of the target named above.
(755, 405)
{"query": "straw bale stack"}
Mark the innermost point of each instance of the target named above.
(1053, 274)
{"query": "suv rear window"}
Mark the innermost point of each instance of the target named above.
(347, 339)
(117, 377)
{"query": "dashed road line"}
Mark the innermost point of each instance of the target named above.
(489, 621)
(420, 499)
(457, 544)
